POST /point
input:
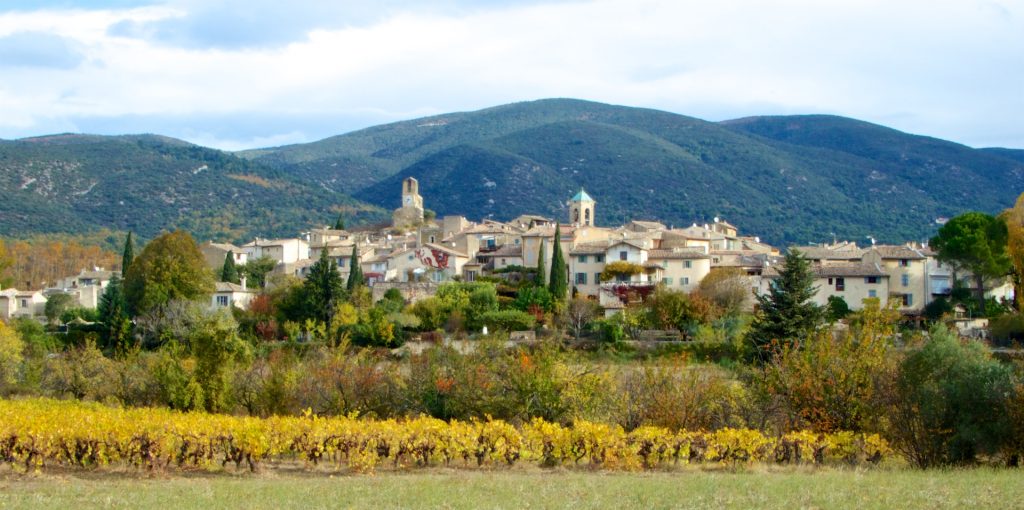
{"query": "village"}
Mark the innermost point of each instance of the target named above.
(420, 252)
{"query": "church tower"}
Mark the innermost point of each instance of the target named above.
(411, 211)
(581, 209)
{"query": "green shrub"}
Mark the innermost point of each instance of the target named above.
(951, 402)
(508, 320)
(1007, 329)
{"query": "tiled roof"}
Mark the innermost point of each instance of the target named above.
(594, 248)
(834, 270)
(231, 287)
(677, 254)
(897, 252)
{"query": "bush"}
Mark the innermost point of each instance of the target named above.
(1007, 329)
(952, 402)
(508, 320)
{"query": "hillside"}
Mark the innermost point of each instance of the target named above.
(80, 183)
(787, 179)
(792, 179)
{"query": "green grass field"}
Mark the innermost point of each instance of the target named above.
(756, 488)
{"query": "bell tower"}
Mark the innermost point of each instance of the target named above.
(411, 211)
(581, 210)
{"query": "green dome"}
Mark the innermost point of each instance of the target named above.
(582, 196)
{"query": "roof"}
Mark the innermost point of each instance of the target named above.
(549, 231)
(845, 251)
(505, 250)
(445, 249)
(897, 252)
(677, 254)
(594, 248)
(101, 274)
(231, 287)
(224, 246)
(582, 196)
(639, 244)
(836, 270)
(653, 225)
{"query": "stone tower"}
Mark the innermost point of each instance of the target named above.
(411, 211)
(581, 210)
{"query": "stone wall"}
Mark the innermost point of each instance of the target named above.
(411, 291)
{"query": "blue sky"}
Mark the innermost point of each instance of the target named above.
(238, 74)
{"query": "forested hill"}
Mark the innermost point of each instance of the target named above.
(148, 183)
(787, 179)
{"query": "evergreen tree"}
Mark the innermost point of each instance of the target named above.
(355, 273)
(558, 283)
(540, 279)
(128, 255)
(229, 273)
(323, 288)
(787, 314)
(339, 224)
(113, 314)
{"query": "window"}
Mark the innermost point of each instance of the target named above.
(687, 264)
(597, 277)
(908, 300)
(623, 255)
(872, 293)
(666, 281)
(582, 259)
(840, 284)
(685, 280)
(504, 262)
(871, 279)
(581, 278)
(437, 276)
(24, 303)
(905, 279)
(222, 301)
(598, 258)
(470, 276)
(830, 281)
(904, 262)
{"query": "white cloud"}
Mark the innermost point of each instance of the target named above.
(941, 68)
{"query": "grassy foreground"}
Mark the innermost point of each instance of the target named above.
(824, 488)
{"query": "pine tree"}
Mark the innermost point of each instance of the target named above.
(787, 314)
(340, 223)
(355, 273)
(323, 288)
(540, 279)
(557, 283)
(229, 272)
(128, 255)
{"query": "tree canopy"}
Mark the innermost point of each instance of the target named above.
(323, 288)
(170, 267)
(974, 242)
(786, 313)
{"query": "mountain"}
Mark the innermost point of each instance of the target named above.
(787, 179)
(148, 183)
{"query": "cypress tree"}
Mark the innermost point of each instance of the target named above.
(355, 273)
(323, 288)
(229, 272)
(128, 255)
(786, 313)
(540, 279)
(557, 283)
(113, 314)
(340, 223)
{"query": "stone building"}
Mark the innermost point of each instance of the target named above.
(411, 212)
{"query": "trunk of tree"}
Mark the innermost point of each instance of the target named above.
(980, 281)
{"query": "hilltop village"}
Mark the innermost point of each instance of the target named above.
(418, 252)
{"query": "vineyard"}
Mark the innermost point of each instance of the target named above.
(39, 433)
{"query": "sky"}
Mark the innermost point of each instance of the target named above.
(237, 74)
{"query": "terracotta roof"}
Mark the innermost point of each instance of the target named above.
(696, 253)
(834, 270)
(897, 252)
(231, 287)
(593, 248)
(842, 252)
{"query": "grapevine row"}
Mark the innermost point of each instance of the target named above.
(39, 432)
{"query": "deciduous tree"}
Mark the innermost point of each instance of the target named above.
(170, 267)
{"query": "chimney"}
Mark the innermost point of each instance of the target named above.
(243, 283)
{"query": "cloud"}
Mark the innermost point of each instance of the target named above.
(234, 72)
(39, 49)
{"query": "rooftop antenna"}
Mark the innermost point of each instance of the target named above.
(872, 238)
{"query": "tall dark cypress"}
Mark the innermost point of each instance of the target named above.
(540, 279)
(322, 288)
(340, 223)
(355, 273)
(128, 255)
(558, 282)
(229, 272)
